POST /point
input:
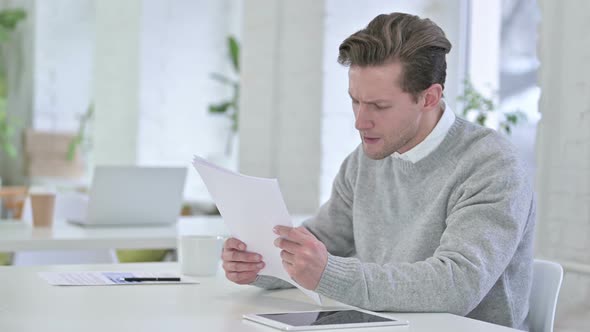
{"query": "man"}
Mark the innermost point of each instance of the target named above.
(430, 213)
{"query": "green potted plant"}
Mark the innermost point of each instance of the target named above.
(80, 139)
(480, 109)
(6, 131)
(229, 107)
(9, 18)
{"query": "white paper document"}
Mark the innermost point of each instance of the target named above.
(251, 207)
(100, 278)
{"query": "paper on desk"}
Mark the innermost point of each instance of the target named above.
(99, 278)
(251, 207)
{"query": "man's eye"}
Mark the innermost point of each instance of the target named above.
(381, 107)
(355, 101)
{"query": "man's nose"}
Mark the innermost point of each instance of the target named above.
(362, 118)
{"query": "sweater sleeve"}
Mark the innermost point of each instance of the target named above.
(268, 282)
(484, 227)
(333, 223)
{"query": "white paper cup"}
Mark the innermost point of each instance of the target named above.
(199, 255)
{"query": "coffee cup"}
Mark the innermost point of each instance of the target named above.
(43, 206)
(199, 255)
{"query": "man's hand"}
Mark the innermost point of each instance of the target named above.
(240, 266)
(304, 257)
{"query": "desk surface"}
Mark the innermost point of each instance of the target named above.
(30, 304)
(20, 236)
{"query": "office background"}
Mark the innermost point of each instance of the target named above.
(145, 66)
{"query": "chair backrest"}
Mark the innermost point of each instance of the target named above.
(547, 278)
(46, 156)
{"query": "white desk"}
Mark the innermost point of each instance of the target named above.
(30, 304)
(20, 236)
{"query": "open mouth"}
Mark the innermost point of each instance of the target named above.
(370, 140)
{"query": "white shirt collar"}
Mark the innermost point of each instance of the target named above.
(433, 140)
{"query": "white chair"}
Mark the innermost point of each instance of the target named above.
(547, 278)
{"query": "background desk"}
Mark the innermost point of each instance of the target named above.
(28, 303)
(19, 236)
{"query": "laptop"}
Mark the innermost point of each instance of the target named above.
(131, 195)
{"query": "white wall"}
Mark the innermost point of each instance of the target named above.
(116, 82)
(63, 65)
(563, 154)
(176, 88)
(182, 43)
(342, 19)
(282, 97)
(484, 46)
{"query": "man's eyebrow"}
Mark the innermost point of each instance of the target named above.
(376, 101)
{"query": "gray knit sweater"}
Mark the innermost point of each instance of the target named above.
(451, 233)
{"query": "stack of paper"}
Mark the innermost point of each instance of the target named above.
(251, 207)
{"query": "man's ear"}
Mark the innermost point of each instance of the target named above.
(431, 97)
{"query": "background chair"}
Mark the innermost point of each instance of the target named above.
(47, 156)
(547, 278)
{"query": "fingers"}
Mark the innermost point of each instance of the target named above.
(240, 266)
(242, 272)
(297, 234)
(287, 257)
(241, 278)
(288, 267)
(233, 243)
(286, 245)
(234, 251)
(232, 255)
(305, 231)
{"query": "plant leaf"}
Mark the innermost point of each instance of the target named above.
(9, 18)
(234, 52)
(234, 126)
(72, 147)
(4, 33)
(10, 150)
(222, 78)
(481, 119)
(220, 108)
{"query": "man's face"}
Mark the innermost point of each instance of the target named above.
(387, 118)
